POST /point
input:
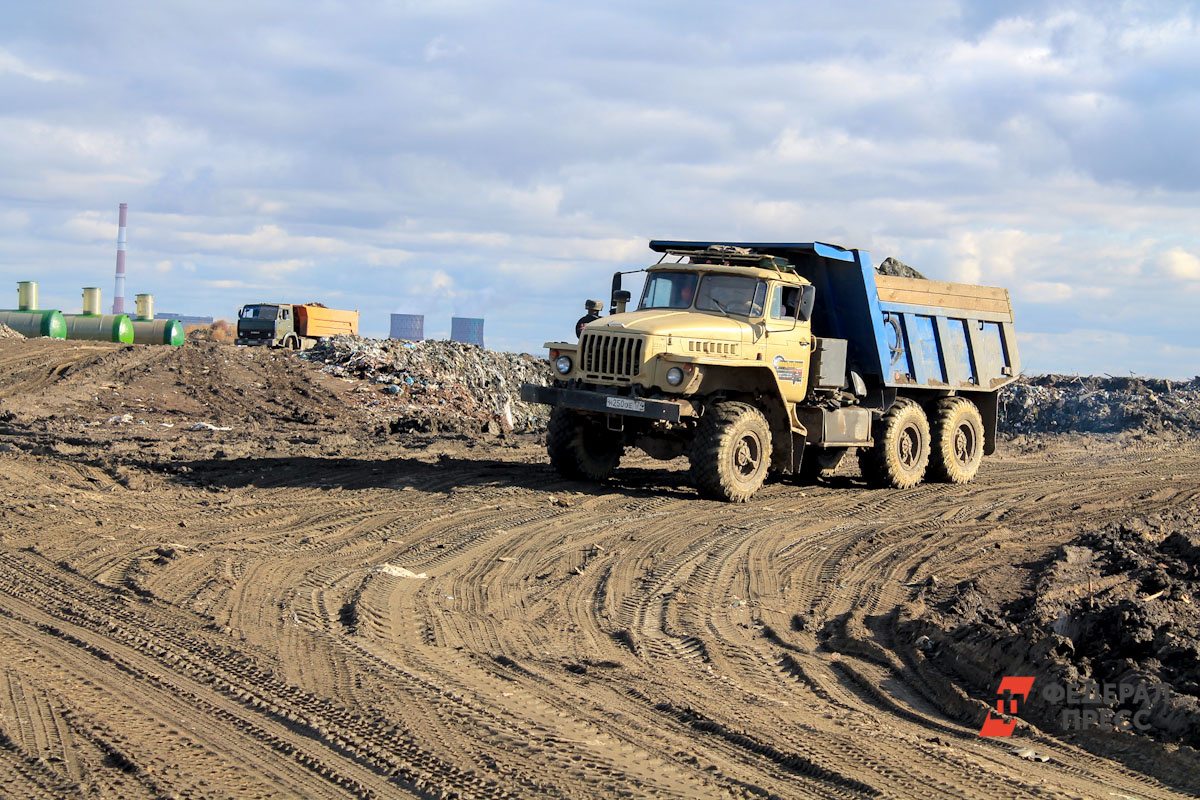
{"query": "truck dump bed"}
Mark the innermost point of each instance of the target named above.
(901, 332)
(946, 334)
(317, 321)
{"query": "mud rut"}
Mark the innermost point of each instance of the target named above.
(225, 632)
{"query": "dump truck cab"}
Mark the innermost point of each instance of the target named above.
(700, 316)
(751, 358)
(269, 324)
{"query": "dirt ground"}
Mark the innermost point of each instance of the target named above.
(292, 600)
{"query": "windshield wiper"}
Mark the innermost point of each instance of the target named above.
(717, 303)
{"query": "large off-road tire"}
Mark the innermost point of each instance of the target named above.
(731, 452)
(957, 440)
(900, 455)
(580, 446)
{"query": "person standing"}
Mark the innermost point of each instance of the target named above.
(593, 313)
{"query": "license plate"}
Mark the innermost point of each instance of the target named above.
(625, 404)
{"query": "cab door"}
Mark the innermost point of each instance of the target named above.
(284, 323)
(788, 340)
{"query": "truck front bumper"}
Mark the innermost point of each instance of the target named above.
(600, 403)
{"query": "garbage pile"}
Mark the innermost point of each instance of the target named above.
(898, 269)
(439, 385)
(1076, 404)
(8, 333)
(451, 386)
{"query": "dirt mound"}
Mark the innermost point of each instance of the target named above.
(1111, 628)
(117, 405)
(219, 331)
(898, 269)
(438, 385)
(8, 333)
(1076, 404)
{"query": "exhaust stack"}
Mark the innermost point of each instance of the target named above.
(119, 290)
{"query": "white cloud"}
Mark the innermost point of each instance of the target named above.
(264, 240)
(1179, 263)
(439, 47)
(90, 226)
(12, 65)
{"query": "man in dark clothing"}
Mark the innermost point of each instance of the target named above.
(593, 313)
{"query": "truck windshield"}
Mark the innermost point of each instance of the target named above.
(733, 294)
(730, 294)
(669, 290)
(260, 312)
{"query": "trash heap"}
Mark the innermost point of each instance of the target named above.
(451, 386)
(898, 269)
(1076, 404)
(8, 333)
(439, 385)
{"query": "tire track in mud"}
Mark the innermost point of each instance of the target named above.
(615, 639)
(365, 756)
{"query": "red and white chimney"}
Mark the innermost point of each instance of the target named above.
(119, 291)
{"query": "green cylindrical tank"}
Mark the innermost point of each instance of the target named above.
(100, 327)
(32, 324)
(158, 331)
(27, 295)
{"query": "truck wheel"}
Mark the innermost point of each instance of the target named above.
(580, 447)
(957, 440)
(900, 455)
(731, 452)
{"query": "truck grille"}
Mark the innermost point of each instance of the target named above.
(615, 357)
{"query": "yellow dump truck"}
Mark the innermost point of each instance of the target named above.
(759, 357)
(296, 327)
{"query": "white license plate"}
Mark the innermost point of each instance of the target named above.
(625, 404)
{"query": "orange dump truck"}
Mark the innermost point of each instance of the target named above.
(295, 327)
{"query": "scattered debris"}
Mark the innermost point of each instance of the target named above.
(398, 571)
(440, 385)
(206, 426)
(8, 333)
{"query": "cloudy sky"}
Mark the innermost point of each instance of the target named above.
(502, 159)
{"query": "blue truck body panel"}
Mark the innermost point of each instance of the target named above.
(901, 332)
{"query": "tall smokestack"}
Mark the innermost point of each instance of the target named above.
(119, 291)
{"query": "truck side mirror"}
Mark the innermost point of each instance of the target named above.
(241, 313)
(620, 299)
(808, 296)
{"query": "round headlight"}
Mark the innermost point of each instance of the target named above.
(563, 365)
(674, 376)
